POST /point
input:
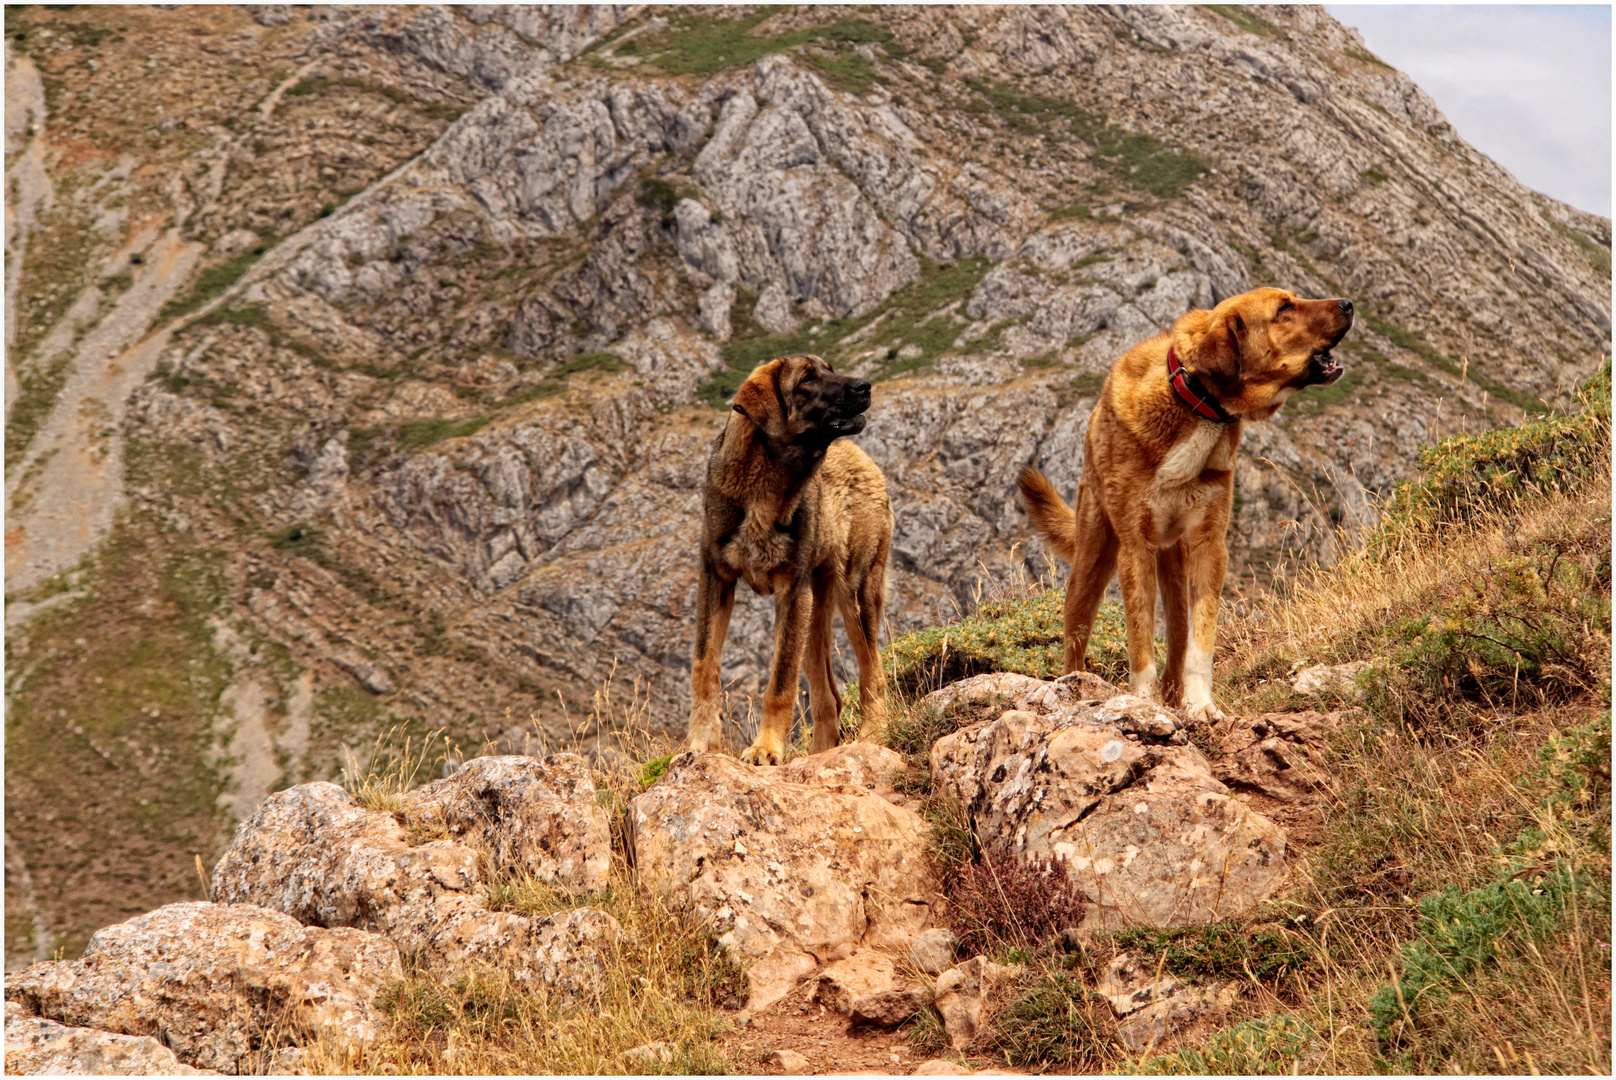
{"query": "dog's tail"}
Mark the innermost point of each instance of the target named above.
(1049, 512)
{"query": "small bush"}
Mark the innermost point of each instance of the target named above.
(1003, 901)
(1220, 951)
(1272, 1046)
(1468, 475)
(1459, 932)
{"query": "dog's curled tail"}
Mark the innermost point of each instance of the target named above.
(1049, 512)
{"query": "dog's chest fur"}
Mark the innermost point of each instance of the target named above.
(1178, 498)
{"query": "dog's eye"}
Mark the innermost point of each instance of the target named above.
(1285, 305)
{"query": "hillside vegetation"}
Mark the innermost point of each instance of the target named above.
(1451, 912)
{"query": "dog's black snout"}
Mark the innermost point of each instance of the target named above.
(859, 386)
(1345, 305)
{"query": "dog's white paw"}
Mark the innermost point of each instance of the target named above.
(1202, 710)
(758, 754)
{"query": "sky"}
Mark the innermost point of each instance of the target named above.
(1527, 85)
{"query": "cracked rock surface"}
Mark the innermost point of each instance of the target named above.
(216, 982)
(314, 853)
(793, 875)
(1146, 828)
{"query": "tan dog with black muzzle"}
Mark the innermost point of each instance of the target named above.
(801, 514)
(1154, 499)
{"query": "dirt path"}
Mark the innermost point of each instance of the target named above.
(821, 1036)
(28, 186)
(62, 498)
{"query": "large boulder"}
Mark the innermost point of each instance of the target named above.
(39, 1047)
(795, 866)
(216, 982)
(313, 852)
(535, 816)
(1146, 829)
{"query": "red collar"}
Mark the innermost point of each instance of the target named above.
(1192, 393)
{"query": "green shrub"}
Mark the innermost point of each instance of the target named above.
(1272, 1046)
(1020, 635)
(1220, 951)
(1529, 625)
(1460, 932)
(1467, 475)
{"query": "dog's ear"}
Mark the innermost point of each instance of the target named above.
(759, 400)
(1217, 357)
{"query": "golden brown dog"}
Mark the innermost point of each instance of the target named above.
(801, 514)
(1158, 475)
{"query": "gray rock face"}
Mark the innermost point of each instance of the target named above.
(1147, 830)
(535, 816)
(312, 852)
(37, 1047)
(792, 874)
(216, 982)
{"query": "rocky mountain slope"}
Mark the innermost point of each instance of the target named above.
(363, 362)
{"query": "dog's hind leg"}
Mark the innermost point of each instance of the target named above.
(823, 697)
(715, 599)
(793, 606)
(1175, 594)
(1136, 572)
(861, 614)
(1094, 560)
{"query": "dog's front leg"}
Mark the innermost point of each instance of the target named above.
(715, 599)
(1208, 560)
(1136, 573)
(793, 604)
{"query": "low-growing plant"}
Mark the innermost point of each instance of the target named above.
(1003, 901)
(1018, 634)
(1057, 1022)
(1459, 932)
(1270, 1046)
(1222, 951)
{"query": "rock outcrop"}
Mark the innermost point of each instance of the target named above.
(314, 853)
(1152, 1007)
(534, 816)
(792, 875)
(1144, 826)
(39, 1047)
(216, 982)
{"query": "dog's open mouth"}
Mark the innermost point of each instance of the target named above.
(846, 425)
(1322, 368)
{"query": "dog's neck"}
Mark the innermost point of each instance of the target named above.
(779, 470)
(1190, 393)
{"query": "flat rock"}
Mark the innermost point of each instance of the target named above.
(314, 853)
(1151, 1006)
(39, 1047)
(790, 1062)
(932, 951)
(216, 982)
(1148, 832)
(536, 816)
(1003, 686)
(1339, 679)
(887, 1008)
(1280, 755)
(792, 875)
